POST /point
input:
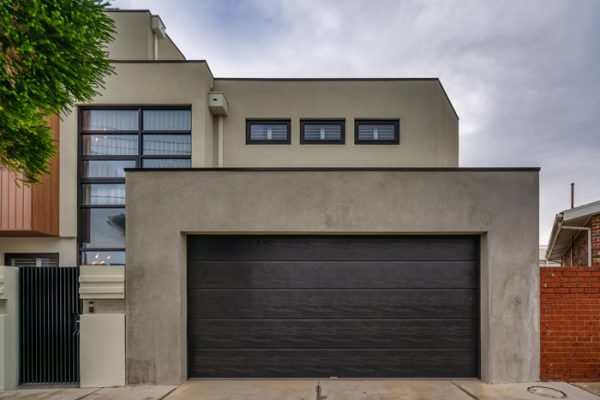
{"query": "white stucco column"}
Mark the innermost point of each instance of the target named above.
(102, 326)
(9, 327)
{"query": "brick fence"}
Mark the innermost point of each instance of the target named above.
(570, 323)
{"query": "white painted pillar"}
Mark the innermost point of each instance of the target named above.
(102, 335)
(9, 327)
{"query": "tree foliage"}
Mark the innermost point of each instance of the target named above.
(52, 56)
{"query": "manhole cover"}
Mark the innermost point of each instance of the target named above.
(547, 392)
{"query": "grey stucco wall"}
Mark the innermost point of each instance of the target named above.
(428, 124)
(162, 207)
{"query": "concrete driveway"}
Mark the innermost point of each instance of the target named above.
(305, 389)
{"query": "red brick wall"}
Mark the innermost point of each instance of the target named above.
(570, 323)
(596, 239)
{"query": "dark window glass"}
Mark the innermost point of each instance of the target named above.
(110, 120)
(103, 194)
(322, 131)
(176, 145)
(111, 141)
(111, 145)
(31, 260)
(167, 120)
(377, 132)
(268, 132)
(103, 227)
(166, 163)
(106, 169)
(103, 257)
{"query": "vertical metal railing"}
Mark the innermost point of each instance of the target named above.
(48, 323)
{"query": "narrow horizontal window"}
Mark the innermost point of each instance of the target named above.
(322, 131)
(175, 145)
(167, 120)
(267, 132)
(103, 194)
(110, 120)
(109, 145)
(377, 131)
(103, 257)
(106, 169)
(166, 163)
(31, 260)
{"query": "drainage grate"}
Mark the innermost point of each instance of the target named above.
(546, 391)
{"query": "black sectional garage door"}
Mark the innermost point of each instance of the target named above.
(323, 306)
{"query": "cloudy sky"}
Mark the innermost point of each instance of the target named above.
(524, 76)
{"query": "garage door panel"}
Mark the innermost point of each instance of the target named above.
(347, 334)
(343, 363)
(335, 304)
(333, 274)
(320, 306)
(351, 248)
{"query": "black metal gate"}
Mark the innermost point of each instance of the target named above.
(48, 323)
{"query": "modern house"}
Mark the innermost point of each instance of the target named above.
(274, 228)
(575, 237)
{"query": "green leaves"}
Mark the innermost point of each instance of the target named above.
(52, 56)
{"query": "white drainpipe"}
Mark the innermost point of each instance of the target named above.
(220, 140)
(154, 46)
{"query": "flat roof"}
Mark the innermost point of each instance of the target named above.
(560, 239)
(131, 10)
(351, 169)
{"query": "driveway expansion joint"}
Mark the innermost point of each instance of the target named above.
(465, 391)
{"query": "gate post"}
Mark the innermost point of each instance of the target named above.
(9, 327)
(102, 325)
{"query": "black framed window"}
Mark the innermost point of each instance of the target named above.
(382, 131)
(272, 131)
(31, 259)
(313, 131)
(110, 140)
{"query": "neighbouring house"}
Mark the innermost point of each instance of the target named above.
(575, 237)
(274, 228)
(570, 297)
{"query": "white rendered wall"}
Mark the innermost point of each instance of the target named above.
(9, 328)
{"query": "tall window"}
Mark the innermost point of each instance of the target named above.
(110, 140)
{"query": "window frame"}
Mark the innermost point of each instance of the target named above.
(9, 256)
(323, 121)
(381, 121)
(269, 121)
(137, 158)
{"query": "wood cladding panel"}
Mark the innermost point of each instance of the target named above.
(27, 210)
(15, 203)
(320, 306)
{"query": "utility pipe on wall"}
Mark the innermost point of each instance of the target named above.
(220, 141)
(154, 46)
